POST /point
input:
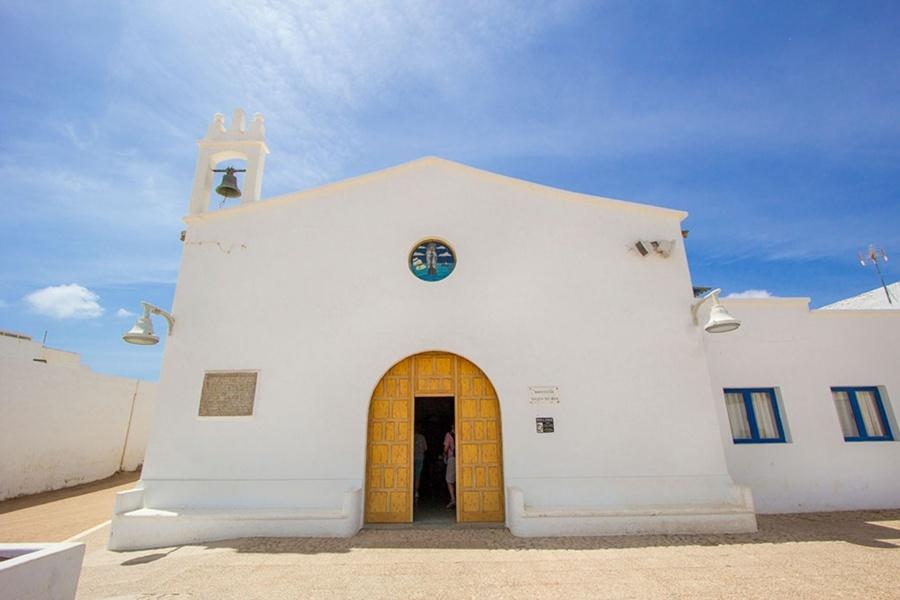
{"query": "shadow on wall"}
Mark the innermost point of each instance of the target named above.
(873, 529)
(30, 500)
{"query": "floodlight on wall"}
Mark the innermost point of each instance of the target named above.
(720, 320)
(142, 332)
(661, 247)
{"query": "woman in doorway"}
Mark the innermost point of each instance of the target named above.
(450, 460)
(421, 445)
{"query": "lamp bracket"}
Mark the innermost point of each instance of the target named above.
(150, 309)
(695, 307)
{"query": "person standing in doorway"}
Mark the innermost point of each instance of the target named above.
(421, 445)
(450, 460)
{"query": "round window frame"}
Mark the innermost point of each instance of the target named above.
(426, 240)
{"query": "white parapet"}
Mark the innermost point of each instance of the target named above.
(137, 527)
(39, 571)
(543, 521)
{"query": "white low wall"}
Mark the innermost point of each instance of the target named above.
(134, 527)
(731, 515)
(61, 424)
(802, 354)
(40, 571)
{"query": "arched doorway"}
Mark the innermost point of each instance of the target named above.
(389, 448)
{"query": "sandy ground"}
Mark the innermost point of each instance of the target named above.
(822, 555)
(58, 515)
(816, 555)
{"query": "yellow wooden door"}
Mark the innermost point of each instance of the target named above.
(479, 468)
(389, 448)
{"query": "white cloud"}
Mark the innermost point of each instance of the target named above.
(123, 313)
(751, 294)
(70, 301)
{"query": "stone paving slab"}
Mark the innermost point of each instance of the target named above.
(817, 555)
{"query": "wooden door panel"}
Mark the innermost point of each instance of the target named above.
(435, 374)
(492, 502)
(480, 478)
(389, 448)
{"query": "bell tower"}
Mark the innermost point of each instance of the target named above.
(237, 143)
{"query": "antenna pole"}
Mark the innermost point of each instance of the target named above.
(872, 255)
(883, 285)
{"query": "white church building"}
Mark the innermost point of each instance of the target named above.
(312, 334)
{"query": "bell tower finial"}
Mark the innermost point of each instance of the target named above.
(235, 143)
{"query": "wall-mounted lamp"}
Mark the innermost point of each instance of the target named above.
(720, 320)
(142, 332)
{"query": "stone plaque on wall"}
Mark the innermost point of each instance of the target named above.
(228, 394)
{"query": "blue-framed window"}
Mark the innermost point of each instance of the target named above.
(862, 415)
(754, 416)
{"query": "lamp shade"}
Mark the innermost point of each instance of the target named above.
(141, 333)
(720, 320)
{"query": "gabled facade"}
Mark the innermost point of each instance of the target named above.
(308, 337)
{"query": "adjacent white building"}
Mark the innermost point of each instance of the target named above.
(62, 424)
(881, 298)
(834, 376)
(314, 332)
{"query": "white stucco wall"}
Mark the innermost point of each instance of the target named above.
(61, 424)
(313, 290)
(802, 354)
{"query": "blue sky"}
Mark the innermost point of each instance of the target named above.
(774, 124)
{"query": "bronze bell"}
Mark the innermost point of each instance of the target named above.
(228, 188)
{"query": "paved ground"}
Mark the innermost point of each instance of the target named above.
(826, 555)
(821, 555)
(57, 516)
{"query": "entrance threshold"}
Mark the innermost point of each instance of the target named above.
(427, 525)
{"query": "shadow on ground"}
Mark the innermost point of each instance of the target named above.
(147, 558)
(874, 529)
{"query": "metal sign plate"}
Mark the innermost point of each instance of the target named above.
(543, 394)
(544, 424)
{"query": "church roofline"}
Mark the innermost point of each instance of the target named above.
(425, 161)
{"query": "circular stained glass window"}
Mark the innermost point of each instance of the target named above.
(432, 260)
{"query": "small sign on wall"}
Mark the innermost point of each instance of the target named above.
(543, 394)
(544, 424)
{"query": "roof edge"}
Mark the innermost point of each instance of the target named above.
(282, 199)
(772, 300)
(871, 312)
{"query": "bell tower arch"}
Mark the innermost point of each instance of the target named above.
(237, 143)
